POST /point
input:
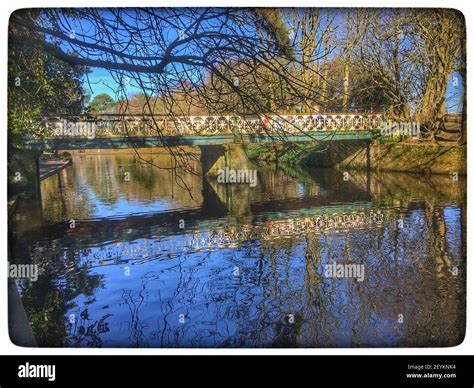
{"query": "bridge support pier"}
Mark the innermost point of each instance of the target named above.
(232, 156)
(234, 197)
(217, 157)
(340, 153)
(24, 173)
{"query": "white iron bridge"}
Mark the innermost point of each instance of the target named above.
(116, 125)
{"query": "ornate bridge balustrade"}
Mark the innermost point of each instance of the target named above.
(120, 125)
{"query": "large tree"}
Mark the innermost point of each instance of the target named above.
(102, 103)
(171, 52)
(39, 84)
(441, 38)
(410, 56)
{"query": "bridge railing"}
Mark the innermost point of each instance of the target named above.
(120, 125)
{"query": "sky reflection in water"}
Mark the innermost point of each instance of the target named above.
(248, 267)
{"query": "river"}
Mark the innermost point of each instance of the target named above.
(134, 255)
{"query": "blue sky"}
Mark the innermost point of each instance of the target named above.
(101, 81)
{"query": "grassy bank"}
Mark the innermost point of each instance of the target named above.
(412, 157)
(290, 154)
(426, 158)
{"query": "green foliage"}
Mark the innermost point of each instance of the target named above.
(102, 103)
(268, 153)
(270, 20)
(40, 85)
(261, 152)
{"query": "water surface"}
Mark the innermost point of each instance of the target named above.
(133, 255)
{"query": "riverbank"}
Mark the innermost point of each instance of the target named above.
(414, 158)
(19, 329)
(52, 164)
(424, 158)
(49, 164)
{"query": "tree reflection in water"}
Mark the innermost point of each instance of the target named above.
(128, 275)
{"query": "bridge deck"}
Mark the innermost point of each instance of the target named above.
(155, 141)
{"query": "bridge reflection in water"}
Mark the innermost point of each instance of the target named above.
(168, 259)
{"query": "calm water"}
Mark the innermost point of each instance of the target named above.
(132, 255)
